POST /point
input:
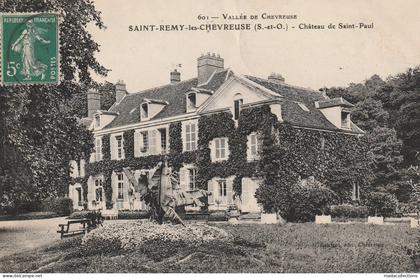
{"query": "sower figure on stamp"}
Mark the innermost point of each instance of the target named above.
(31, 67)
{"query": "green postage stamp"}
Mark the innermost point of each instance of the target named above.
(30, 49)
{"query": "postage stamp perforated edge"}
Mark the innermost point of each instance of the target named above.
(58, 45)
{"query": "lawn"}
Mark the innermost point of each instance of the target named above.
(255, 248)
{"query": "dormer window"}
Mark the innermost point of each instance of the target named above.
(237, 103)
(191, 102)
(144, 111)
(97, 120)
(345, 119)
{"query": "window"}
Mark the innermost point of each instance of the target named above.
(120, 186)
(220, 149)
(153, 134)
(237, 108)
(145, 139)
(222, 188)
(97, 120)
(192, 173)
(98, 149)
(120, 148)
(163, 144)
(79, 194)
(190, 137)
(345, 119)
(144, 111)
(254, 146)
(98, 189)
(191, 102)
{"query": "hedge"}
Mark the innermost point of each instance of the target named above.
(349, 211)
(61, 206)
(381, 204)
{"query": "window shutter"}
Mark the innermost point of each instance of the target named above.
(227, 148)
(213, 193)
(248, 147)
(92, 158)
(158, 142)
(114, 188)
(229, 192)
(245, 194)
(212, 150)
(91, 192)
(112, 147)
(125, 187)
(183, 178)
(71, 189)
(152, 141)
(122, 148)
(184, 140)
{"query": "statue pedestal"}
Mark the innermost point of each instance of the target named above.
(322, 219)
(377, 220)
(269, 218)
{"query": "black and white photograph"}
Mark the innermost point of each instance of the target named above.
(203, 137)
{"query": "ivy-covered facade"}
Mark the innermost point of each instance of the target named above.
(234, 136)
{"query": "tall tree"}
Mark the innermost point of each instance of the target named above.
(38, 136)
(404, 103)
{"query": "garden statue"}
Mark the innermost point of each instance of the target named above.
(160, 190)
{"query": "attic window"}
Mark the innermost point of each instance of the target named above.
(144, 111)
(97, 120)
(303, 106)
(237, 103)
(191, 102)
(345, 119)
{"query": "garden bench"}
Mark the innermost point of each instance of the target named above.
(65, 228)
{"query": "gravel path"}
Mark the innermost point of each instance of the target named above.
(22, 235)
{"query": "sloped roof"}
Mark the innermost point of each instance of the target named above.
(339, 101)
(173, 94)
(291, 111)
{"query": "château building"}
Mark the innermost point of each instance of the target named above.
(170, 121)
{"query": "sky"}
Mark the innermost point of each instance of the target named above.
(306, 58)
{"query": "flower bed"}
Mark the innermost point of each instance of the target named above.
(133, 235)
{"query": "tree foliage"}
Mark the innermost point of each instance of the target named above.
(39, 134)
(389, 112)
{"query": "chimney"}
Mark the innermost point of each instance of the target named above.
(276, 78)
(94, 102)
(175, 76)
(120, 91)
(207, 65)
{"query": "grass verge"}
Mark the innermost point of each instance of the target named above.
(255, 248)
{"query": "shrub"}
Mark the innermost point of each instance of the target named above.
(62, 206)
(218, 216)
(349, 211)
(133, 214)
(79, 214)
(405, 208)
(381, 204)
(308, 202)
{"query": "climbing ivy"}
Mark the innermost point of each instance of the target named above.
(287, 154)
(128, 137)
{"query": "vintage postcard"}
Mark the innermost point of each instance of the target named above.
(202, 137)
